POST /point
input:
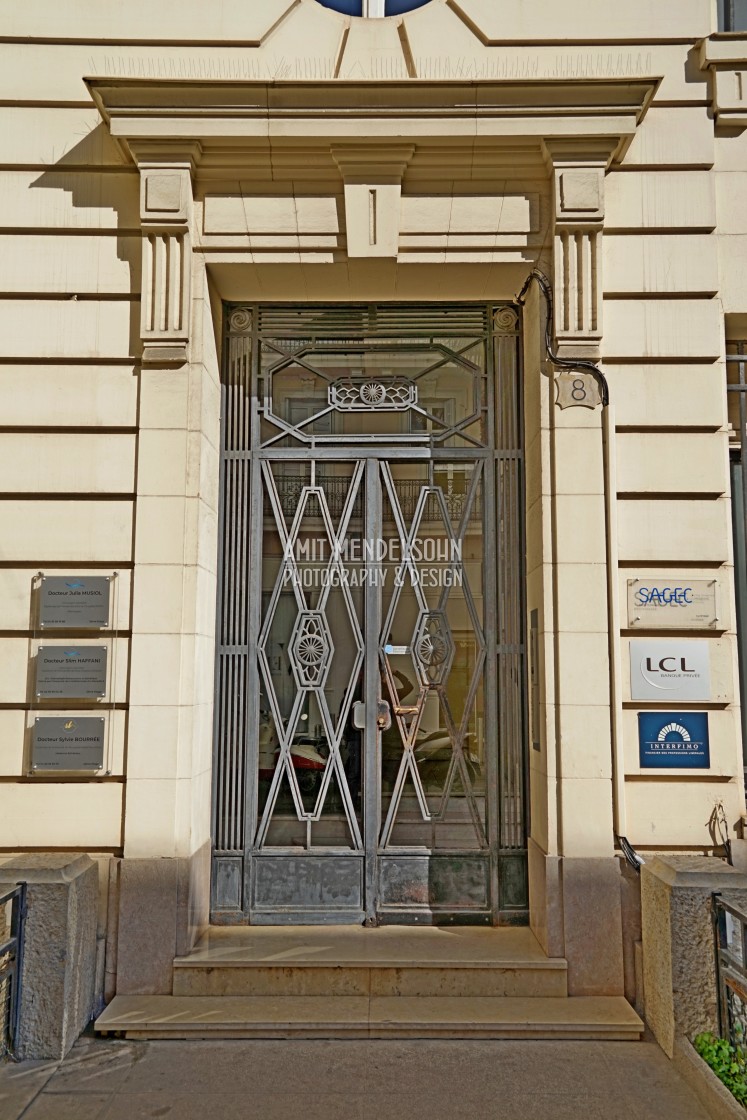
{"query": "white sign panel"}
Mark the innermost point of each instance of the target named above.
(673, 604)
(670, 670)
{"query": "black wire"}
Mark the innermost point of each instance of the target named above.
(631, 855)
(564, 363)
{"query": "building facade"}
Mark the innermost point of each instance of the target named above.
(372, 410)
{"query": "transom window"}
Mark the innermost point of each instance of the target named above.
(373, 9)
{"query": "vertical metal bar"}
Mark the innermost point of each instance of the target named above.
(17, 931)
(490, 559)
(372, 520)
(251, 678)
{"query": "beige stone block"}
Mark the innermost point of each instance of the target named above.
(17, 603)
(292, 38)
(583, 668)
(16, 677)
(58, 396)
(150, 821)
(730, 190)
(662, 329)
(672, 462)
(581, 598)
(52, 329)
(154, 742)
(373, 50)
(162, 463)
(725, 744)
(144, 21)
(12, 742)
(285, 216)
(578, 463)
(668, 814)
(732, 251)
(668, 395)
(56, 199)
(671, 136)
(164, 399)
(660, 200)
(520, 22)
(580, 534)
(672, 532)
(54, 463)
(586, 817)
(60, 264)
(475, 214)
(585, 746)
(66, 531)
(156, 661)
(661, 263)
(38, 137)
(161, 536)
(84, 815)
(202, 528)
(203, 478)
(164, 601)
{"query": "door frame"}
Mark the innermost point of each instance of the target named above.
(253, 862)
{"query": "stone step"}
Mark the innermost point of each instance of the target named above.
(581, 1017)
(353, 961)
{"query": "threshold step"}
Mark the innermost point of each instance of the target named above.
(580, 1017)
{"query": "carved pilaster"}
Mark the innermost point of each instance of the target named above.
(578, 212)
(166, 201)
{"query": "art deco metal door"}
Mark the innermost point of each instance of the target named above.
(370, 666)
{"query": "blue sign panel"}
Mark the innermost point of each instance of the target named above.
(674, 740)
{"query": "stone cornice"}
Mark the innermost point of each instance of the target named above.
(244, 115)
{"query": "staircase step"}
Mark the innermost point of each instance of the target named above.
(354, 961)
(581, 1017)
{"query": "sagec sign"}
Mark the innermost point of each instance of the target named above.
(670, 670)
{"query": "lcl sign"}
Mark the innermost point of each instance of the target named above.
(670, 670)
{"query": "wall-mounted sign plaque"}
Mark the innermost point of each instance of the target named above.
(74, 602)
(68, 743)
(673, 604)
(674, 740)
(71, 672)
(670, 670)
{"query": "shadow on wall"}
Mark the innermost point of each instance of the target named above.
(105, 189)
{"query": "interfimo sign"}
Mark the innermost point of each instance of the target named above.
(673, 604)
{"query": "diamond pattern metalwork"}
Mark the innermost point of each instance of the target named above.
(311, 649)
(433, 647)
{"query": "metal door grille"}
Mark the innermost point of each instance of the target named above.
(251, 333)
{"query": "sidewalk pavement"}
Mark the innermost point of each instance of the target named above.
(109, 1079)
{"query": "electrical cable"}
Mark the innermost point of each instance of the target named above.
(563, 363)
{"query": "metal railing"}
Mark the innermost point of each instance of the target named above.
(12, 921)
(731, 974)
